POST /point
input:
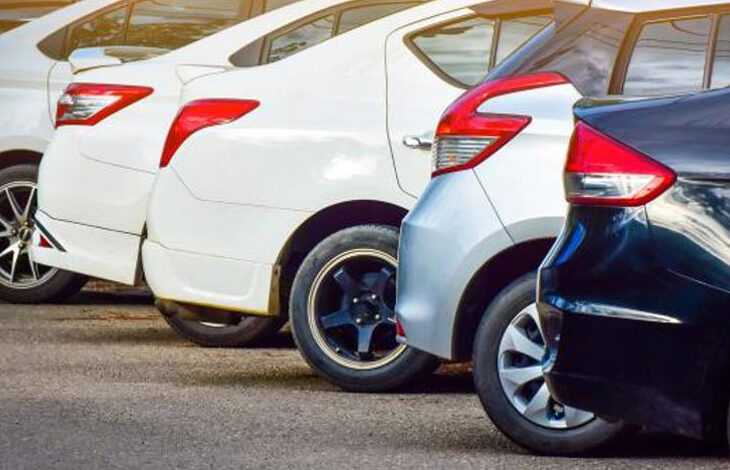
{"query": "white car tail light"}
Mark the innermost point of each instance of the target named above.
(603, 171)
(200, 114)
(466, 137)
(85, 104)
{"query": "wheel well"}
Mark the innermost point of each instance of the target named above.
(323, 224)
(487, 283)
(19, 157)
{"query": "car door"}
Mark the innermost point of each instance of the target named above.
(430, 63)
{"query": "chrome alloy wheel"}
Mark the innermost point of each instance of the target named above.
(519, 364)
(18, 270)
(350, 309)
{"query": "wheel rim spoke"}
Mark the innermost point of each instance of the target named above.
(382, 281)
(575, 417)
(33, 266)
(29, 205)
(365, 339)
(517, 341)
(17, 210)
(520, 376)
(7, 228)
(536, 408)
(337, 319)
(347, 283)
(14, 265)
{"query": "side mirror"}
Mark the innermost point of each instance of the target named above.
(94, 57)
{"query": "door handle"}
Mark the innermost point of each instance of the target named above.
(419, 143)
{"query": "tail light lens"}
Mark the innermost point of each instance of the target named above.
(465, 137)
(85, 104)
(200, 114)
(603, 171)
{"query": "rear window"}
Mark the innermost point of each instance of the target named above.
(585, 51)
(172, 24)
(464, 51)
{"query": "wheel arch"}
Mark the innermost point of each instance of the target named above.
(496, 274)
(9, 158)
(319, 226)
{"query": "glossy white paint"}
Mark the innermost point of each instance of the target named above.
(118, 158)
(89, 250)
(30, 81)
(329, 130)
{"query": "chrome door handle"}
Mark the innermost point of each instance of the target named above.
(420, 143)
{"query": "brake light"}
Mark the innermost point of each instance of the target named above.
(603, 171)
(200, 114)
(465, 137)
(85, 104)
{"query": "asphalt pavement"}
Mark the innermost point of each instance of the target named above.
(104, 383)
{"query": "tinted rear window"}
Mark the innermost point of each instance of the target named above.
(584, 51)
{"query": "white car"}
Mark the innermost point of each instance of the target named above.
(97, 175)
(33, 72)
(300, 165)
(282, 186)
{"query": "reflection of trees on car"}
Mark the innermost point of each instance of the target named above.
(174, 35)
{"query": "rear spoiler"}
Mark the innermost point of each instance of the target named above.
(94, 57)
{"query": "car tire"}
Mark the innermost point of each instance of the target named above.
(41, 284)
(252, 329)
(589, 434)
(367, 254)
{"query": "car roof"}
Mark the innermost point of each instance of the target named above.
(41, 27)
(210, 48)
(635, 6)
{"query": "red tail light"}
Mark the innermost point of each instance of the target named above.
(85, 104)
(465, 137)
(200, 114)
(603, 171)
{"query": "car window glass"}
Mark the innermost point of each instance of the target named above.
(298, 39)
(584, 50)
(460, 50)
(171, 24)
(669, 57)
(103, 30)
(356, 17)
(721, 66)
(515, 32)
(274, 4)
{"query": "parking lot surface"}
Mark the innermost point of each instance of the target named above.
(104, 383)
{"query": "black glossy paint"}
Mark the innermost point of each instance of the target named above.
(636, 301)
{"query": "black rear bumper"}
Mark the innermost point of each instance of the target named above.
(628, 339)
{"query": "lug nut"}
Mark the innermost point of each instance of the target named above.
(355, 300)
(358, 320)
(377, 317)
(373, 297)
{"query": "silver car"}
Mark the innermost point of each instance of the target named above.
(470, 248)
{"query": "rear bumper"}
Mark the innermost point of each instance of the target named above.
(208, 280)
(450, 233)
(106, 254)
(628, 339)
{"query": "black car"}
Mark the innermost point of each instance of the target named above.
(634, 297)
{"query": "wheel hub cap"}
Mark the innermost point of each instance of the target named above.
(521, 355)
